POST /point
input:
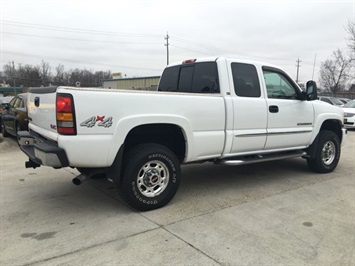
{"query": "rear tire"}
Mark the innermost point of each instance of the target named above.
(328, 153)
(151, 176)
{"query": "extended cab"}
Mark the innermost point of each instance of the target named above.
(222, 110)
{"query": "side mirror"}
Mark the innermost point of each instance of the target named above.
(311, 90)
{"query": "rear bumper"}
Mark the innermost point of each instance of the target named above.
(42, 151)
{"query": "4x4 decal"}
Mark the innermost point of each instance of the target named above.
(91, 122)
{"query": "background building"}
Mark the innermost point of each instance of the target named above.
(142, 83)
(11, 91)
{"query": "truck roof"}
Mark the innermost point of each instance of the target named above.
(210, 59)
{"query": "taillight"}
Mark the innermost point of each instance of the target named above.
(65, 114)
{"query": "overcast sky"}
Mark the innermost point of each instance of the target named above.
(128, 36)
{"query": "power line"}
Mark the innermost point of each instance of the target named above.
(221, 50)
(110, 33)
(72, 39)
(76, 30)
(77, 61)
(203, 48)
(191, 50)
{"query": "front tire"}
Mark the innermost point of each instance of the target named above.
(328, 153)
(151, 176)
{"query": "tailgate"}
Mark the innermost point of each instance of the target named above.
(41, 109)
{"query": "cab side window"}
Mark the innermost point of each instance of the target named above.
(278, 85)
(245, 79)
(21, 103)
(17, 102)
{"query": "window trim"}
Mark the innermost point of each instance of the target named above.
(192, 77)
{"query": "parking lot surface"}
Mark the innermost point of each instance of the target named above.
(275, 213)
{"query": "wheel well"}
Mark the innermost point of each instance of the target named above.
(171, 136)
(333, 125)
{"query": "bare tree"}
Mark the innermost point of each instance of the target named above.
(351, 44)
(45, 72)
(334, 72)
(33, 76)
(59, 78)
(29, 76)
(10, 73)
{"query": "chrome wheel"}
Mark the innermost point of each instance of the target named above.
(153, 178)
(328, 152)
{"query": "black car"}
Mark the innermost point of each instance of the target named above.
(14, 117)
(3, 103)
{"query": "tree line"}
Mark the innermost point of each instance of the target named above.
(42, 75)
(338, 72)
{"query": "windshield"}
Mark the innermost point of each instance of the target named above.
(336, 101)
(350, 104)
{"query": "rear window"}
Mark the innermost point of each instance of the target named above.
(195, 78)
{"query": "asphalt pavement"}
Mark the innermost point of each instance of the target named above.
(274, 213)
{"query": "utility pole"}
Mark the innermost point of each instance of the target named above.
(314, 65)
(167, 47)
(298, 67)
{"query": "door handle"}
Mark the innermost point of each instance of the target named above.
(273, 109)
(36, 101)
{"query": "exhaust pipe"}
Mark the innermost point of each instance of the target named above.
(79, 179)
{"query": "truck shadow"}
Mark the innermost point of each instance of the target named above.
(230, 184)
(291, 173)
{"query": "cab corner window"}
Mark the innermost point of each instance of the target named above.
(245, 79)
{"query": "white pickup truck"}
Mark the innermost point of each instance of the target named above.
(220, 110)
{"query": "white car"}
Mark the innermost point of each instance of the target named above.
(349, 114)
